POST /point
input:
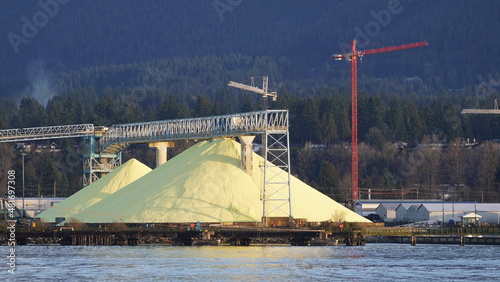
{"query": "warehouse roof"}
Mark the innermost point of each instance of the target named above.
(389, 206)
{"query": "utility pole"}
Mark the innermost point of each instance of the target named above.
(22, 156)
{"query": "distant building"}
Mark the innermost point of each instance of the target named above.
(422, 213)
(392, 211)
(387, 211)
(400, 145)
(34, 206)
(402, 213)
(432, 211)
(38, 148)
(368, 208)
(454, 211)
(471, 218)
(412, 213)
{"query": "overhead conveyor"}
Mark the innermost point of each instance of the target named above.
(46, 132)
(107, 143)
(258, 122)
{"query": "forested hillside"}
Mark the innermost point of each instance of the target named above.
(436, 150)
(77, 34)
(109, 62)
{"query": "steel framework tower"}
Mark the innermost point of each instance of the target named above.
(276, 196)
(276, 154)
(97, 164)
(352, 57)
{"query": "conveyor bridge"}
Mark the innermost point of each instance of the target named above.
(250, 123)
(46, 132)
(107, 143)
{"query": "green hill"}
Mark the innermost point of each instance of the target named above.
(54, 36)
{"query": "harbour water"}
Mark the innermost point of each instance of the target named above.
(373, 262)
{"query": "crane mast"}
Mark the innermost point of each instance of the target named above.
(352, 57)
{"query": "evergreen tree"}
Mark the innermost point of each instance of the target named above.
(133, 112)
(430, 167)
(246, 104)
(413, 122)
(105, 111)
(396, 121)
(328, 129)
(344, 126)
(3, 120)
(328, 178)
(487, 168)
(70, 111)
(54, 112)
(203, 107)
(309, 121)
(31, 113)
(377, 111)
(169, 109)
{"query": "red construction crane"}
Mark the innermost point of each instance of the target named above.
(353, 58)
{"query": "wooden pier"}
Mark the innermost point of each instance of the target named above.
(235, 236)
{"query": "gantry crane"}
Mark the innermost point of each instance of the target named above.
(257, 90)
(352, 57)
(495, 110)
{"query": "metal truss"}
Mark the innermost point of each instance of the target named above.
(97, 165)
(194, 128)
(46, 132)
(277, 194)
(272, 124)
(105, 145)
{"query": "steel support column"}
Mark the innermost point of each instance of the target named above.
(277, 193)
(97, 165)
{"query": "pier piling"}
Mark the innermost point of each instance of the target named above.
(413, 240)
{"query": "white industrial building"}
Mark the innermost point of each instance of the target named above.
(422, 213)
(387, 211)
(402, 212)
(34, 206)
(394, 210)
(447, 212)
(368, 208)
